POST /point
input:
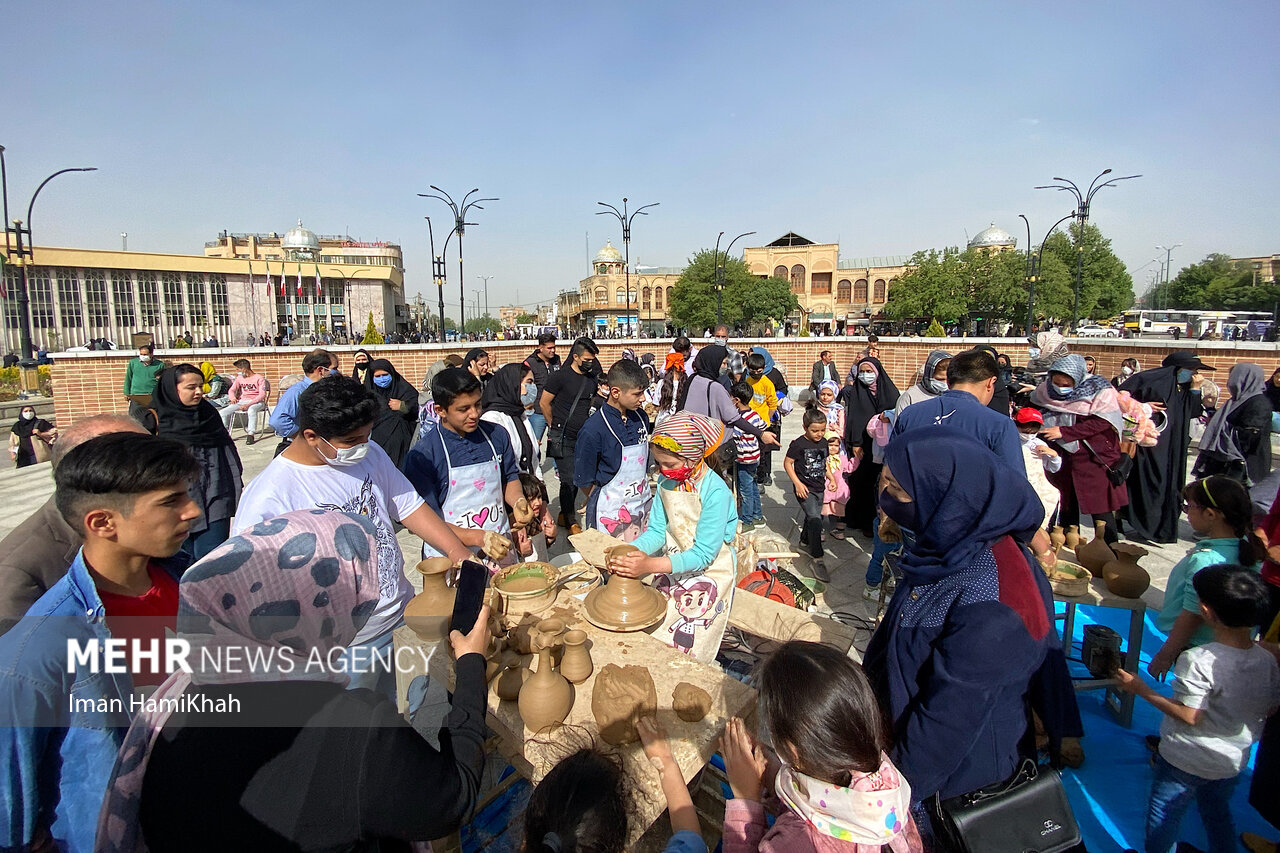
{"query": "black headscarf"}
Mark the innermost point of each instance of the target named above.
(707, 364)
(393, 430)
(23, 428)
(470, 358)
(399, 387)
(1273, 392)
(1000, 399)
(861, 403)
(360, 371)
(502, 394)
(195, 426)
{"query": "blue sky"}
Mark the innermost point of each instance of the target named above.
(889, 126)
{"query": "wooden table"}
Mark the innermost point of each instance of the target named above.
(691, 743)
(1120, 702)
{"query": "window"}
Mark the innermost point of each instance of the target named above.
(11, 283)
(657, 298)
(645, 298)
(40, 292)
(122, 295)
(69, 300)
(195, 298)
(879, 291)
(602, 296)
(95, 292)
(780, 272)
(797, 278)
(860, 290)
(173, 300)
(621, 295)
(149, 298)
(822, 284)
(218, 295)
(602, 269)
(843, 290)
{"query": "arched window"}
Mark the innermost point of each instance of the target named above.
(797, 278)
(602, 296)
(879, 291)
(657, 297)
(621, 295)
(860, 290)
(668, 296)
(843, 290)
(644, 298)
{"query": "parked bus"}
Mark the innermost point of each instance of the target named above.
(1191, 324)
(1144, 322)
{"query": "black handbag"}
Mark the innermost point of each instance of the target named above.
(555, 441)
(1118, 473)
(1028, 813)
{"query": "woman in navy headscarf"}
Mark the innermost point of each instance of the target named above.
(967, 647)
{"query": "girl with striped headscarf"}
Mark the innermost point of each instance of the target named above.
(687, 544)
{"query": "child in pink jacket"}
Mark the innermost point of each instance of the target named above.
(836, 790)
(836, 493)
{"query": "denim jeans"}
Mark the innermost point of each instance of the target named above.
(879, 550)
(539, 423)
(1172, 791)
(367, 669)
(812, 535)
(749, 508)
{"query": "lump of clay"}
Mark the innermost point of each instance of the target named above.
(620, 697)
(690, 702)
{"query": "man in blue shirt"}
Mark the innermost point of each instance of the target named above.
(61, 725)
(316, 365)
(610, 458)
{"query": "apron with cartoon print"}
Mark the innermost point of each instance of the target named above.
(697, 602)
(622, 507)
(474, 501)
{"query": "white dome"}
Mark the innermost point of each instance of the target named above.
(300, 238)
(992, 236)
(608, 255)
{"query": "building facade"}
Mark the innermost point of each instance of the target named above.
(80, 295)
(604, 304)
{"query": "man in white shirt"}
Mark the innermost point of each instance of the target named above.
(332, 465)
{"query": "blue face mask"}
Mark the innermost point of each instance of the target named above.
(383, 381)
(1184, 376)
(1059, 393)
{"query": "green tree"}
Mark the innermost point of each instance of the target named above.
(1106, 288)
(1216, 283)
(476, 325)
(934, 286)
(935, 330)
(746, 299)
(525, 319)
(371, 335)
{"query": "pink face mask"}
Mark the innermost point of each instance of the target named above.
(879, 430)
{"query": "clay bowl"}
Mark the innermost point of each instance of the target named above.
(526, 587)
(1069, 579)
(625, 604)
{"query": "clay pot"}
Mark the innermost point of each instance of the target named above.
(546, 697)
(1057, 539)
(512, 677)
(1072, 538)
(576, 663)
(1096, 553)
(624, 604)
(427, 615)
(1123, 576)
(550, 633)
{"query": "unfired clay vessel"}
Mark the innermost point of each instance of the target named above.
(1096, 553)
(1123, 576)
(1057, 539)
(690, 702)
(427, 615)
(546, 697)
(624, 604)
(1072, 535)
(576, 663)
(620, 697)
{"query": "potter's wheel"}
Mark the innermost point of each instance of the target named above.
(646, 613)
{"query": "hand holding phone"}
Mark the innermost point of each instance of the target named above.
(473, 578)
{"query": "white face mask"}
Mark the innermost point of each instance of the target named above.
(26, 416)
(1126, 370)
(1034, 352)
(937, 385)
(867, 378)
(345, 455)
(144, 358)
(1026, 437)
(724, 342)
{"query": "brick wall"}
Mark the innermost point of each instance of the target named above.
(91, 382)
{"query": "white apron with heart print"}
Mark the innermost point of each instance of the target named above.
(622, 507)
(697, 602)
(474, 500)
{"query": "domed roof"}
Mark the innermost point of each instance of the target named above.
(992, 236)
(608, 255)
(300, 238)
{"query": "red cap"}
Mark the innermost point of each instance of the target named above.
(1028, 415)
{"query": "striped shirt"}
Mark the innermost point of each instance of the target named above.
(747, 445)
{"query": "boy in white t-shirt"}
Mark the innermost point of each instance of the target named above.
(332, 464)
(1225, 690)
(1039, 459)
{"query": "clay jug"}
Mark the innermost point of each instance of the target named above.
(1057, 539)
(1096, 553)
(546, 697)
(551, 633)
(576, 664)
(427, 615)
(512, 678)
(1123, 576)
(1072, 538)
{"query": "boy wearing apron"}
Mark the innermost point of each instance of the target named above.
(691, 528)
(466, 469)
(611, 457)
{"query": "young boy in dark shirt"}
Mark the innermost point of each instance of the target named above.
(806, 466)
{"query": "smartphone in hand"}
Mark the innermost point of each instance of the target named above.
(473, 579)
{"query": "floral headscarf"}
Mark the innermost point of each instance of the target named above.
(873, 812)
(288, 588)
(692, 437)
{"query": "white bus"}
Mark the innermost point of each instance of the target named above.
(1189, 324)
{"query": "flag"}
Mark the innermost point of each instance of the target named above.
(318, 287)
(299, 278)
(281, 277)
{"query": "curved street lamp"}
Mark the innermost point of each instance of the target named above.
(346, 293)
(626, 219)
(718, 263)
(24, 253)
(459, 210)
(1083, 200)
(1033, 265)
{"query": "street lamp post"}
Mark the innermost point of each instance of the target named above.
(24, 253)
(486, 292)
(1033, 266)
(626, 219)
(460, 210)
(346, 293)
(718, 262)
(1083, 200)
(1168, 259)
(439, 271)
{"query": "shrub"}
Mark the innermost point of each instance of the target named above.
(371, 335)
(935, 330)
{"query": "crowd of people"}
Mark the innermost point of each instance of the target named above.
(955, 482)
